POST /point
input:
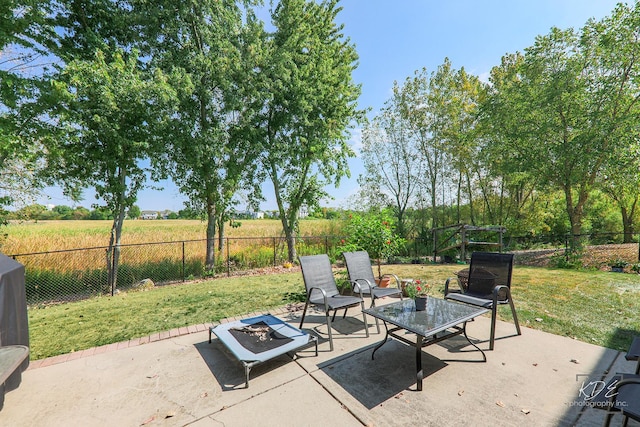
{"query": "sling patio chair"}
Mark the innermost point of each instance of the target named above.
(362, 279)
(323, 293)
(487, 284)
(624, 390)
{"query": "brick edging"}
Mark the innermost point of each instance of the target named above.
(157, 336)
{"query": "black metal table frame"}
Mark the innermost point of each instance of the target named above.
(439, 334)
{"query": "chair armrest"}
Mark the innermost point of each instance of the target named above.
(324, 295)
(497, 290)
(618, 386)
(447, 291)
(397, 279)
(358, 288)
(626, 381)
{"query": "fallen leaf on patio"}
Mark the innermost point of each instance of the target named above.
(461, 392)
(516, 394)
(576, 361)
(152, 376)
(205, 394)
(224, 407)
(147, 421)
(397, 396)
(535, 364)
(170, 414)
(500, 403)
(526, 411)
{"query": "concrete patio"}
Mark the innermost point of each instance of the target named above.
(177, 378)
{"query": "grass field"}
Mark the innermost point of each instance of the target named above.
(596, 307)
(41, 236)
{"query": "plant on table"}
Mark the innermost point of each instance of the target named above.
(417, 289)
(372, 232)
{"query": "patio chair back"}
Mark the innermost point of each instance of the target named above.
(359, 267)
(488, 270)
(317, 273)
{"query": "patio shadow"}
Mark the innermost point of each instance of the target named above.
(373, 382)
(229, 372)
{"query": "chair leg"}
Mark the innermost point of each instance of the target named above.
(329, 328)
(364, 318)
(607, 418)
(494, 313)
(304, 312)
(515, 316)
(373, 304)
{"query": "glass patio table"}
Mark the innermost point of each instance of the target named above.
(441, 320)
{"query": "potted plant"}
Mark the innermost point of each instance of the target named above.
(418, 292)
(618, 265)
(372, 232)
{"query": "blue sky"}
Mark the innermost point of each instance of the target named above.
(396, 38)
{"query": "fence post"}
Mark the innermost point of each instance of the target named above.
(184, 269)
(274, 251)
(228, 260)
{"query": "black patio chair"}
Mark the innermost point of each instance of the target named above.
(323, 293)
(625, 393)
(487, 284)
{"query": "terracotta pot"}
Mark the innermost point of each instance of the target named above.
(384, 282)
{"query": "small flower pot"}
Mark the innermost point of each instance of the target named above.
(421, 303)
(384, 282)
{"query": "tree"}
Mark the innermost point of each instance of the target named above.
(212, 151)
(570, 99)
(309, 105)
(389, 156)
(23, 32)
(63, 211)
(109, 112)
(134, 212)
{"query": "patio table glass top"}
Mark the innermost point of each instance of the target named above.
(439, 315)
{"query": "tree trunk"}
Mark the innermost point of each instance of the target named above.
(210, 257)
(113, 253)
(627, 223)
(220, 233)
(289, 227)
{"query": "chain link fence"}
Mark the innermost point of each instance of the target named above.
(69, 275)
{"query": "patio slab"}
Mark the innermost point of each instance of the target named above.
(529, 380)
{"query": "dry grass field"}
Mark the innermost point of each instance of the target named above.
(43, 236)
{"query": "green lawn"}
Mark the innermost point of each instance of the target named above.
(597, 307)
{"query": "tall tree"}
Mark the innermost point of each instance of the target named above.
(215, 45)
(309, 105)
(389, 156)
(574, 93)
(23, 34)
(110, 113)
